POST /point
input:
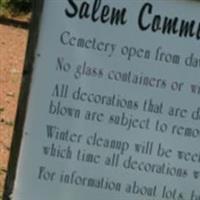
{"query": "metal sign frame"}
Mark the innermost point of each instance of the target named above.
(37, 7)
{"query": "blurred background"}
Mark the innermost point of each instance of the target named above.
(14, 23)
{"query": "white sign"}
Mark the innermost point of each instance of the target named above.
(114, 105)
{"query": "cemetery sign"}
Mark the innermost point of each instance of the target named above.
(110, 102)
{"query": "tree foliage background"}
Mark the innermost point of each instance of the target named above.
(16, 5)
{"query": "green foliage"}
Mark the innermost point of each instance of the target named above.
(20, 5)
(3, 7)
(16, 6)
(3, 4)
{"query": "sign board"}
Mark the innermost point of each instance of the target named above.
(113, 110)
